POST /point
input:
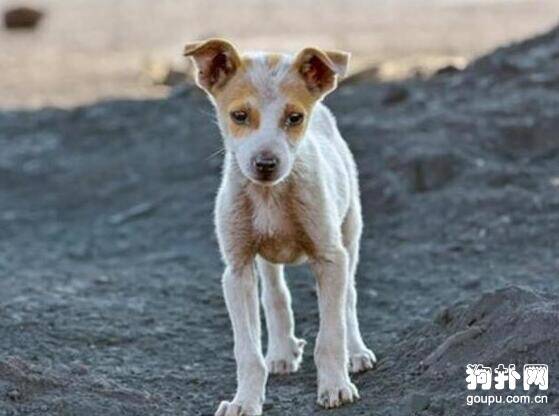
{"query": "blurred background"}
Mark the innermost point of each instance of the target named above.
(80, 51)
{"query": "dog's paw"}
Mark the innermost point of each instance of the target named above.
(286, 359)
(362, 361)
(335, 396)
(236, 409)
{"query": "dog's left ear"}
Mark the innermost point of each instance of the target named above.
(321, 69)
(216, 62)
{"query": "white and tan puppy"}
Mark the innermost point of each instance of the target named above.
(289, 194)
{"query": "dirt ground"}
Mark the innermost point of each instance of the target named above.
(110, 298)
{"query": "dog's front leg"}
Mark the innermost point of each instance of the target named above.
(334, 386)
(241, 296)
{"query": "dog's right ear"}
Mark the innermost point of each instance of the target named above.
(216, 62)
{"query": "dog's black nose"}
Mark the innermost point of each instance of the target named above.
(265, 163)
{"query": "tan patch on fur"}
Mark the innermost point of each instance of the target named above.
(283, 241)
(240, 246)
(240, 94)
(299, 99)
(290, 243)
(236, 95)
(298, 131)
(243, 104)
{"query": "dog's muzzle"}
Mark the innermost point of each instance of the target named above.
(265, 167)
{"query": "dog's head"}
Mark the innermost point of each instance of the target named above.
(264, 101)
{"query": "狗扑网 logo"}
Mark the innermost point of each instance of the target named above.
(478, 375)
(536, 375)
(509, 379)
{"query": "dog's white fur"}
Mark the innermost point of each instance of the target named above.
(311, 212)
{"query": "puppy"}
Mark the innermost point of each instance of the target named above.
(289, 194)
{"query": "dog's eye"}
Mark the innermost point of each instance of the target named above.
(294, 119)
(239, 117)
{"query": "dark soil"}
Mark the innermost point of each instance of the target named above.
(110, 297)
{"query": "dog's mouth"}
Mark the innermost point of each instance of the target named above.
(265, 180)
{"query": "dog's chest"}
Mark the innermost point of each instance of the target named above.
(276, 229)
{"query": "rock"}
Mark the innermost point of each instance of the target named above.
(14, 395)
(385, 192)
(418, 402)
(102, 279)
(79, 369)
(425, 171)
(137, 211)
(448, 69)
(443, 317)
(471, 283)
(22, 18)
(395, 94)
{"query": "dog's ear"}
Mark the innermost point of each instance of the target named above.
(216, 62)
(320, 69)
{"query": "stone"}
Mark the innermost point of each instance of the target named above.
(22, 18)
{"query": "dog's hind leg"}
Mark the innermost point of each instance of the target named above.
(285, 351)
(361, 358)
